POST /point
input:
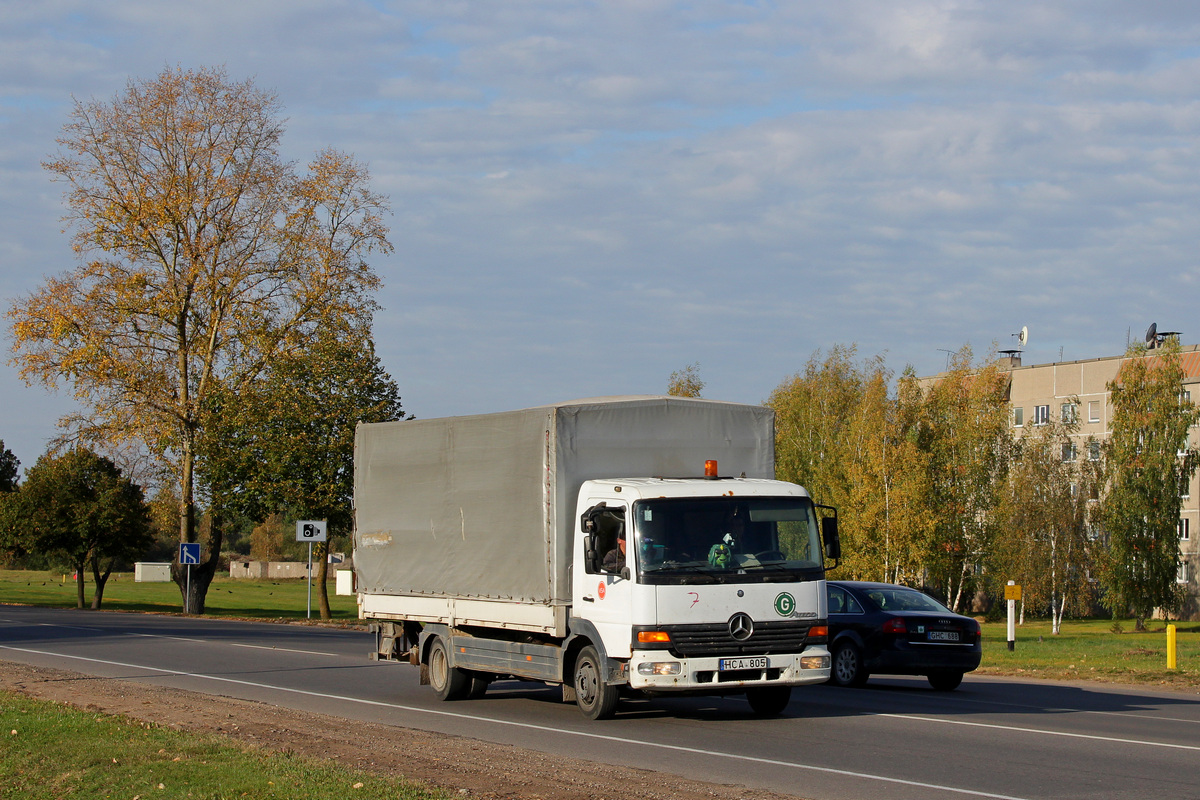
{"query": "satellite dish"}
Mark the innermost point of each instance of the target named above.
(1152, 335)
(1023, 336)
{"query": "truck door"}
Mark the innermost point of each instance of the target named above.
(604, 595)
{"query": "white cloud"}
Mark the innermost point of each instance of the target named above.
(589, 196)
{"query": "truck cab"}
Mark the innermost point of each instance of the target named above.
(702, 586)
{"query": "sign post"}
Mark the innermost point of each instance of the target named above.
(189, 556)
(1012, 593)
(310, 530)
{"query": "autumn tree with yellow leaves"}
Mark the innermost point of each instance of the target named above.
(846, 437)
(963, 429)
(204, 256)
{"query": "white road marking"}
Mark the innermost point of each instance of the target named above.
(175, 638)
(1051, 709)
(529, 726)
(1042, 731)
(238, 644)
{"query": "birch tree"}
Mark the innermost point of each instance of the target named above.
(841, 434)
(1149, 460)
(204, 256)
(963, 429)
(685, 382)
(1046, 544)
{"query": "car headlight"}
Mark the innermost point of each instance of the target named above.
(814, 662)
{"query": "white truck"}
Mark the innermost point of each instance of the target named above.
(614, 545)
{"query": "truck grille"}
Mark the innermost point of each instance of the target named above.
(715, 640)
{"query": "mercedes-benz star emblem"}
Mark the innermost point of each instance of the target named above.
(741, 627)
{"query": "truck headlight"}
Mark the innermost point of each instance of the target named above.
(658, 668)
(814, 662)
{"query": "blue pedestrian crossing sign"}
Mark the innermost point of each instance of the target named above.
(189, 553)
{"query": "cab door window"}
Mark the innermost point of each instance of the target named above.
(605, 527)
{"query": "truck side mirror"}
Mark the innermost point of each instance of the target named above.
(587, 523)
(590, 557)
(829, 535)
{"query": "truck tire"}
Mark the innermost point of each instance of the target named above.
(479, 686)
(769, 701)
(596, 698)
(449, 683)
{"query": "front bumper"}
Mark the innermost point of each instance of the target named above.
(704, 674)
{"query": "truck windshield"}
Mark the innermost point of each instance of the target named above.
(726, 539)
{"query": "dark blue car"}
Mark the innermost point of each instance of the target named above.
(884, 629)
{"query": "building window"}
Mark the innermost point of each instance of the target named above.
(1068, 413)
(1068, 452)
(1183, 575)
(1018, 417)
(1093, 411)
(1093, 451)
(1041, 415)
(1185, 529)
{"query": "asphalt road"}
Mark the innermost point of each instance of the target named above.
(895, 739)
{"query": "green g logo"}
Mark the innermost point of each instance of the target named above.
(785, 604)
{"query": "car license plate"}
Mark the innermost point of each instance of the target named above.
(742, 663)
(943, 636)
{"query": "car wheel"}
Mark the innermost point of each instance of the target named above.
(769, 701)
(595, 697)
(848, 665)
(449, 683)
(946, 681)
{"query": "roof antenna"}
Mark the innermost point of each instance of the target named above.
(1022, 340)
(1155, 337)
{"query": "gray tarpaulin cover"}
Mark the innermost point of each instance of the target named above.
(484, 506)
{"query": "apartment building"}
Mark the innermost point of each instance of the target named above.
(1078, 390)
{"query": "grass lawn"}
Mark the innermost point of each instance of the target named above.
(227, 597)
(54, 751)
(1091, 650)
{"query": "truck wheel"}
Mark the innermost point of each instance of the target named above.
(596, 699)
(478, 687)
(946, 681)
(769, 701)
(848, 666)
(448, 682)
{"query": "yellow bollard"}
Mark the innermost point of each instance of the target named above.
(1170, 647)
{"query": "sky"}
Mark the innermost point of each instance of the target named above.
(589, 196)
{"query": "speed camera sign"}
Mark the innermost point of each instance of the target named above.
(310, 530)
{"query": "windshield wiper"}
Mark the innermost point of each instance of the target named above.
(691, 567)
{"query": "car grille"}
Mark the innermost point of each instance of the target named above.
(715, 640)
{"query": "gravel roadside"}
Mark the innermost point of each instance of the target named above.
(467, 767)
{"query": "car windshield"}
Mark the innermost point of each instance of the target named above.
(888, 599)
(728, 536)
